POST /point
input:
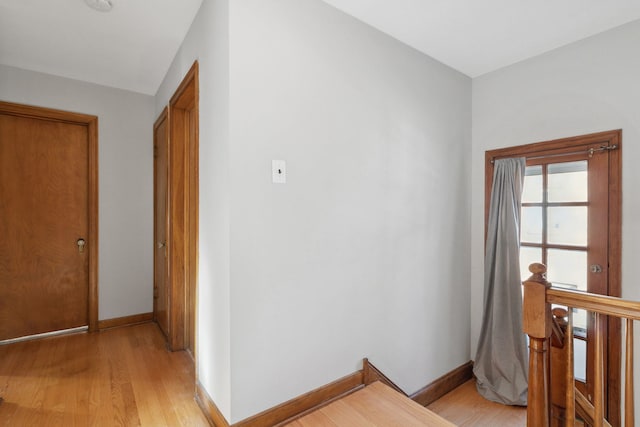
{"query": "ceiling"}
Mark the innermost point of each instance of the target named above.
(476, 37)
(132, 46)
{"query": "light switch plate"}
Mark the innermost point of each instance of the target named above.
(279, 171)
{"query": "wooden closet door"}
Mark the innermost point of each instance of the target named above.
(160, 185)
(44, 220)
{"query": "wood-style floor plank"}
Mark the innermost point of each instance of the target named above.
(125, 377)
(314, 419)
(376, 405)
(416, 410)
(465, 407)
(379, 406)
(345, 413)
(118, 377)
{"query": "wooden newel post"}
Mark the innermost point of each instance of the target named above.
(537, 324)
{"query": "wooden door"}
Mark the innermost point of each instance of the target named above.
(47, 253)
(571, 223)
(176, 216)
(160, 185)
(562, 227)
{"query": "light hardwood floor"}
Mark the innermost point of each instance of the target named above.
(465, 407)
(118, 377)
(380, 406)
(376, 405)
(126, 377)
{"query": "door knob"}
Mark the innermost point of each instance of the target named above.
(81, 244)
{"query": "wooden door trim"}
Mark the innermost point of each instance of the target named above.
(568, 145)
(555, 146)
(614, 348)
(91, 122)
(183, 207)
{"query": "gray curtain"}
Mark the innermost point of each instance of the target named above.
(501, 363)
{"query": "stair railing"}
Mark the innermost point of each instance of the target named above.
(541, 327)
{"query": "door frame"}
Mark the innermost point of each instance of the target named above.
(182, 233)
(91, 123)
(561, 147)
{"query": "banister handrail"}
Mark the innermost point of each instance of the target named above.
(611, 306)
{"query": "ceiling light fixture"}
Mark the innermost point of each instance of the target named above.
(101, 5)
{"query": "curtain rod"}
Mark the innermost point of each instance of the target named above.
(590, 151)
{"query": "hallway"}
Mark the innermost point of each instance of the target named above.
(118, 377)
(126, 377)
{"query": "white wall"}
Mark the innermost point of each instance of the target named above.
(208, 42)
(589, 86)
(365, 250)
(125, 179)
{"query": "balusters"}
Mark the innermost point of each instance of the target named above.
(629, 416)
(598, 385)
(570, 407)
(543, 329)
(557, 368)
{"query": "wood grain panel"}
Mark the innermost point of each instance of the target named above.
(160, 248)
(183, 213)
(193, 212)
(91, 123)
(118, 377)
(92, 245)
(118, 322)
(614, 345)
(376, 405)
(177, 233)
(465, 407)
(44, 210)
